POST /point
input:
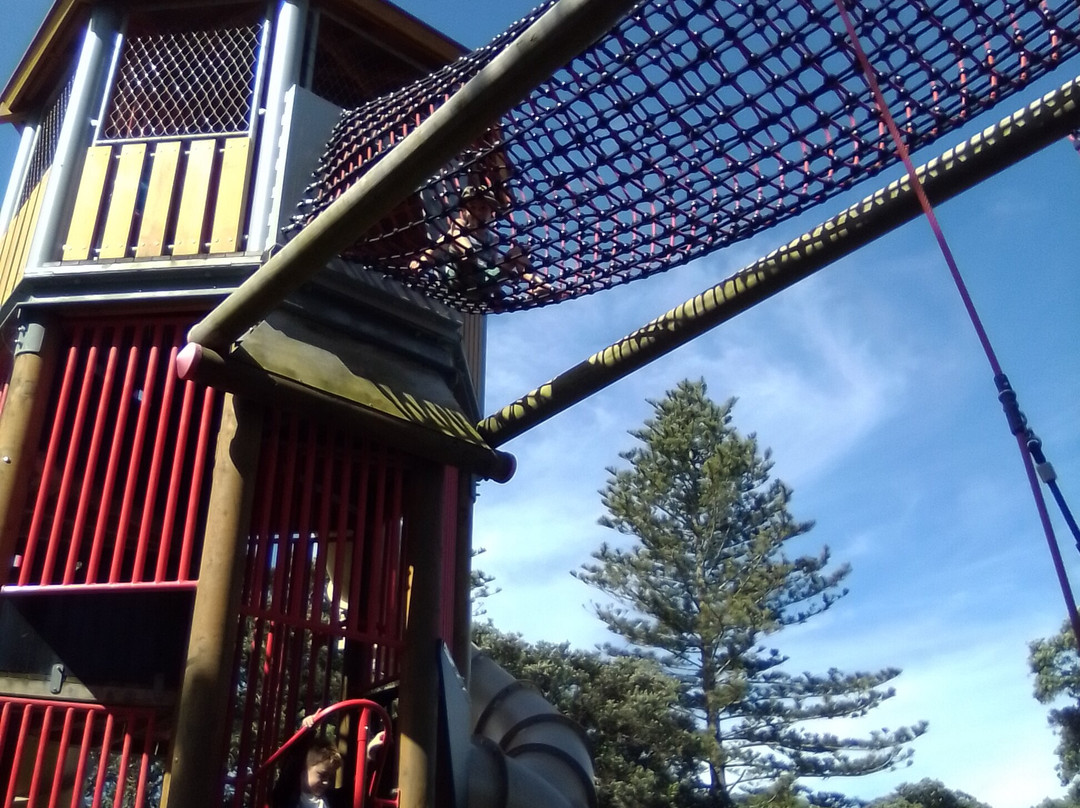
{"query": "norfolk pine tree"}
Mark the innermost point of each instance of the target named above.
(706, 580)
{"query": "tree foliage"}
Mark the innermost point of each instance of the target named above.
(644, 746)
(704, 579)
(1056, 666)
(927, 793)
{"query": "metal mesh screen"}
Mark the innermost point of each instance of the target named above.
(350, 69)
(691, 125)
(45, 145)
(179, 82)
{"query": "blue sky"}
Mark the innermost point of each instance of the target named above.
(870, 387)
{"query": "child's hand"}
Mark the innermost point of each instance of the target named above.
(308, 721)
(375, 744)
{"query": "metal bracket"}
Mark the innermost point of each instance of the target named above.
(30, 339)
(56, 678)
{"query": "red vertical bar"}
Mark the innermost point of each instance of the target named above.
(283, 530)
(379, 534)
(301, 561)
(142, 548)
(342, 553)
(195, 490)
(86, 493)
(84, 755)
(119, 428)
(175, 479)
(61, 757)
(39, 761)
(121, 770)
(144, 765)
(103, 760)
(20, 747)
(55, 441)
(268, 493)
(360, 539)
(71, 460)
(132, 481)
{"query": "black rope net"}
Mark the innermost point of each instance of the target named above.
(693, 124)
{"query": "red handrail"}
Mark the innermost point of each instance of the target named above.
(361, 795)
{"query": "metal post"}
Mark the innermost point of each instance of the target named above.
(18, 175)
(418, 700)
(996, 147)
(563, 32)
(20, 426)
(284, 73)
(201, 741)
(74, 135)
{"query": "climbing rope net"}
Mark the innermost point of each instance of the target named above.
(691, 125)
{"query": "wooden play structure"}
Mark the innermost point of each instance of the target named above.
(246, 253)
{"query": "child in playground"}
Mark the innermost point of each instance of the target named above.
(307, 779)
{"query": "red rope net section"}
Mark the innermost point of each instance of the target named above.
(692, 125)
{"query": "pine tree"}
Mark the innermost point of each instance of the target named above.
(706, 580)
(1056, 666)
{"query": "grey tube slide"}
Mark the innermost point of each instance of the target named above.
(524, 753)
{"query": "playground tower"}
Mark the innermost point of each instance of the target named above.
(188, 568)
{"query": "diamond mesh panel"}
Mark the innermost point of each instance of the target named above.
(45, 145)
(350, 69)
(692, 125)
(184, 82)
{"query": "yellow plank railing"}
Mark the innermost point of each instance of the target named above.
(168, 198)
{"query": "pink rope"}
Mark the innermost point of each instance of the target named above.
(1018, 429)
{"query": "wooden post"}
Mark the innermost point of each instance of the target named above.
(201, 738)
(20, 426)
(418, 705)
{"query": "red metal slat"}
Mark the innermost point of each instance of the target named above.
(161, 439)
(86, 493)
(103, 756)
(55, 443)
(202, 445)
(376, 583)
(360, 538)
(258, 597)
(121, 773)
(144, 766)
(61, 757)
(173, 484)
(342, 555)
(39, 762)
(127, 389)
(84, 756)
(301, 558)
(132, 481)
(285, 496)
(20, 748)
(71, 460)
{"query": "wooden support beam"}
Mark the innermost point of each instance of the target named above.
(200, 742)
(20, 425)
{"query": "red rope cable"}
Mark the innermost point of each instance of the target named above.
(976, 321)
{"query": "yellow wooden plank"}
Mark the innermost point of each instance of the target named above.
(192, 215)
(125, 190)
(159, 196)
(232, 195)
(11, 247)
(87, 204)
(31, 211)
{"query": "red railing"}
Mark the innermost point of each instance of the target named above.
(324, 592)
(365, 778)
(124, 463)
(57, 754)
